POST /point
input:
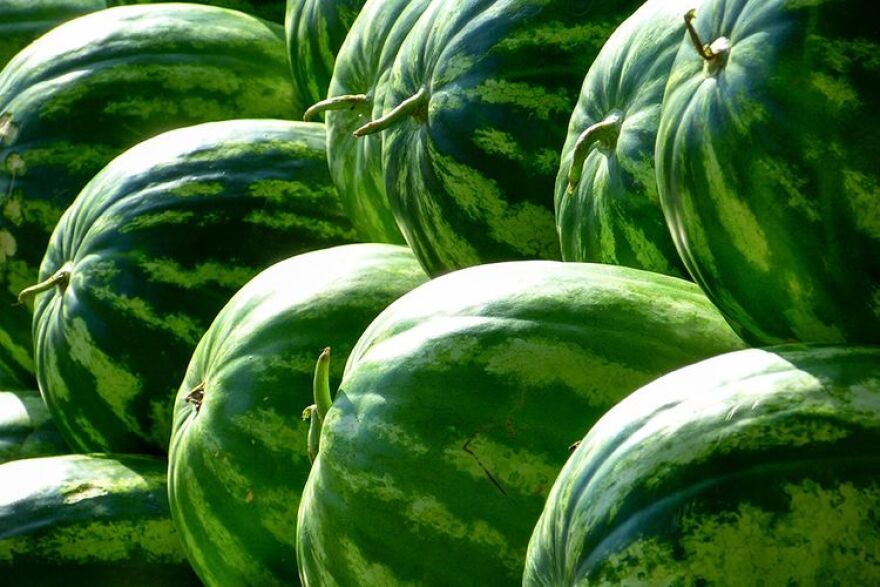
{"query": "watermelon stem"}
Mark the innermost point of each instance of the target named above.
(348, 101)
(316, 412)
(61, 278)
(408, 107)
(604, 132)
(715, 54)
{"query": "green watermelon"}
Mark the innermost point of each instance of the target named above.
(315, 29)
(457, 407)
(767, 162)
(355, 97)
(759, 467)
(272, 10)
(607, 205)
(101, 83)
(22, 21)
(238, 458)
(151, 250)
(476, 107)
(26, 428)
(89, 519)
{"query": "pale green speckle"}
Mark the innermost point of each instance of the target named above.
(367, 570)
(210, 273)
(279, 191)
(863, 196)
(179, 325)
(77, 159)
(147, 221)
(788, 182)
(562, 35)
(272, 431)
(805, 324)
(536, 99)
(198, 188)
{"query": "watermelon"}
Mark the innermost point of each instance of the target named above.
(272, 10)
(151, 250)
(315, 29)
(757, 467)
(457, 407)
(607, 205)
(89, 519)
(476, 107)
(767, 156)
(26, 428)
(237, 427)
(22, 21)
(101, 83)
(355, 97)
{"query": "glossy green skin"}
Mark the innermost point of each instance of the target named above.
(768, 171)
(156, 244)
(88, 519)
(272, 10)
(614, 215)
(315, 29)
(26, 428)
(362, 67)
(457, 407)
(470, 177)
(760, 465)
(97, 85)
(238, 463)
(22, 21)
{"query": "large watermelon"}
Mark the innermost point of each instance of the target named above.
(99, 84)
(760, 467)
(238, 459)
(457, 407)
(315, 29)
(269, 9)
(88, 520)
(355, 97)
(151, 250)
(476, 108)
(767, 162)
(26, 428)
(607, 205)
(22, 21)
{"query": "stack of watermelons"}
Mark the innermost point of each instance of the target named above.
(439, 292)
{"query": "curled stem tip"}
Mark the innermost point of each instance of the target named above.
(321, 384)
(347, 101)
(604, 131)
(709, 52)
(409, 106)
(61, 278)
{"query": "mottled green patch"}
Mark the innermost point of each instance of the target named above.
(19, 353)
(828, 534)
(568, 37)
(496, 142)
(599, 381)
(369, 571)
(41, 213)
(76, 158)
(863, 195)
(8, 246)
(19, 275)
(287, 221)
(647, 254)
(151, 220)
(789, 182)
(272, 431)
(843, 55)
(198, 188)
(840, 96)
(113, 383)
(179, 325)
(169, 271)
(280, 191)
(537, 100)
(528, 229)
(800, 312)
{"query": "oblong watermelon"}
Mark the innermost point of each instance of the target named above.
(458, 405)
(89, 519)
(22, 21)
(354, 98)
(26, 427)
(767, 156)
(272, 10)
(758, 467)
(238, 456)
(477, 105)
(150, 251)
(99, 84)
(607, 206)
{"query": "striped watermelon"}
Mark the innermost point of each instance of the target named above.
(355, 97)
(99, 84)
(272, 10)
(26, 428)
(767, 161)
(457, 407)
(315, 29)
(88, 520)
(476, 108)
(151, 250)
(607, 205)
(238, 458)
(22, 21)
(759, 467)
